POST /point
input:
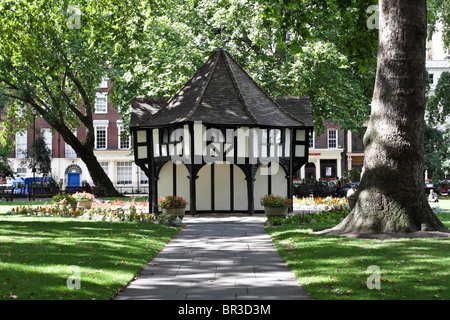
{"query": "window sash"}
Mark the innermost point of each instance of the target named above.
(124, 173)
(101, 103)
(21, 145)
(124, 144)
(101, 138)
(332, 139)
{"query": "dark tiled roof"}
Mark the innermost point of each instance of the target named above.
(144, 108)
(298, 107)
(221, 93)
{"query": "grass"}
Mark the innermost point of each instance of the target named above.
(335, 268)
(444, 204)
(36, 254)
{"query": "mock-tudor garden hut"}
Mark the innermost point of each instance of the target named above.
(221, 142)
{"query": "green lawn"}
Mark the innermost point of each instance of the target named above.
(444, 204)
(36, 252)
(332, 267)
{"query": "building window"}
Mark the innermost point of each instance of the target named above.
(69, 152)
(21, 172)
(143, 177)
(311, 139)
(101, 103)
(123, 139)
(21, 145)
(104, 165)
(332, 138)
(100, 137)
(124, 172)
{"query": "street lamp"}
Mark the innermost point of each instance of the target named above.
(34, 114)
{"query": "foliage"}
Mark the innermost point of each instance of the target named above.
(320, 204)
(172, 202)
(5, 167)
(83, 196)
(167, 219)
(352, 175)
(100, 211)
(275, 200)
(324, 216)
(53, 55)
(63, 197)
(39, 156)
(437, 151)
(438, 104)
(439, 11)
(332, 62)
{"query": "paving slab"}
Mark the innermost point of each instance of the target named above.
(217, 257)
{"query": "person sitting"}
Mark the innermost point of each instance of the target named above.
(85, 185)
(433, 196)
(351, 192)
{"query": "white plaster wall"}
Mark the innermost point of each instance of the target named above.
(240, 190)
(203, 188)
(183, 183)
(260, 186)
(165, 181)
(279, 181)
(221, 186)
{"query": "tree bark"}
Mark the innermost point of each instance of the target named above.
(85, 151)
(391, 195)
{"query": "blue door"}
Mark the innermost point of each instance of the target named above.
(73, 179)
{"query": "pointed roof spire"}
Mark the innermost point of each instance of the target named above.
(222, 93)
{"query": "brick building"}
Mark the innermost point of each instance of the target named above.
(331, 153)
(111, 149)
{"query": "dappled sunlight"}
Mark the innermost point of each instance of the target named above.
(35, 260)
(333, 267)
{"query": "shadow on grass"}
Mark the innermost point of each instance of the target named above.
(333, 267)
(35, 255)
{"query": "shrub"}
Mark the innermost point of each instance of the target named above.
(275, 200)
(84, 196)
(172, 202)
(63, 197)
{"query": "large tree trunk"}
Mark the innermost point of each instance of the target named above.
(391, 195)
(85, 151)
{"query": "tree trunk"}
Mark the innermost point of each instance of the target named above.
(85, 151)
(391, 195)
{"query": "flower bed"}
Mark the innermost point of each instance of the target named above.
(318, 209)
(83, 196)
(100, 211)
(310, 205)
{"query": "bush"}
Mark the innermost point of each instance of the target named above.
(172, 202)
(325, 216)
(63, 197)
(275, 200)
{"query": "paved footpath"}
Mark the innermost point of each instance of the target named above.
(217, 257)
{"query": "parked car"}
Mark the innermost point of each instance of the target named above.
(429, 185)
(315, 188)
(24, 185)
